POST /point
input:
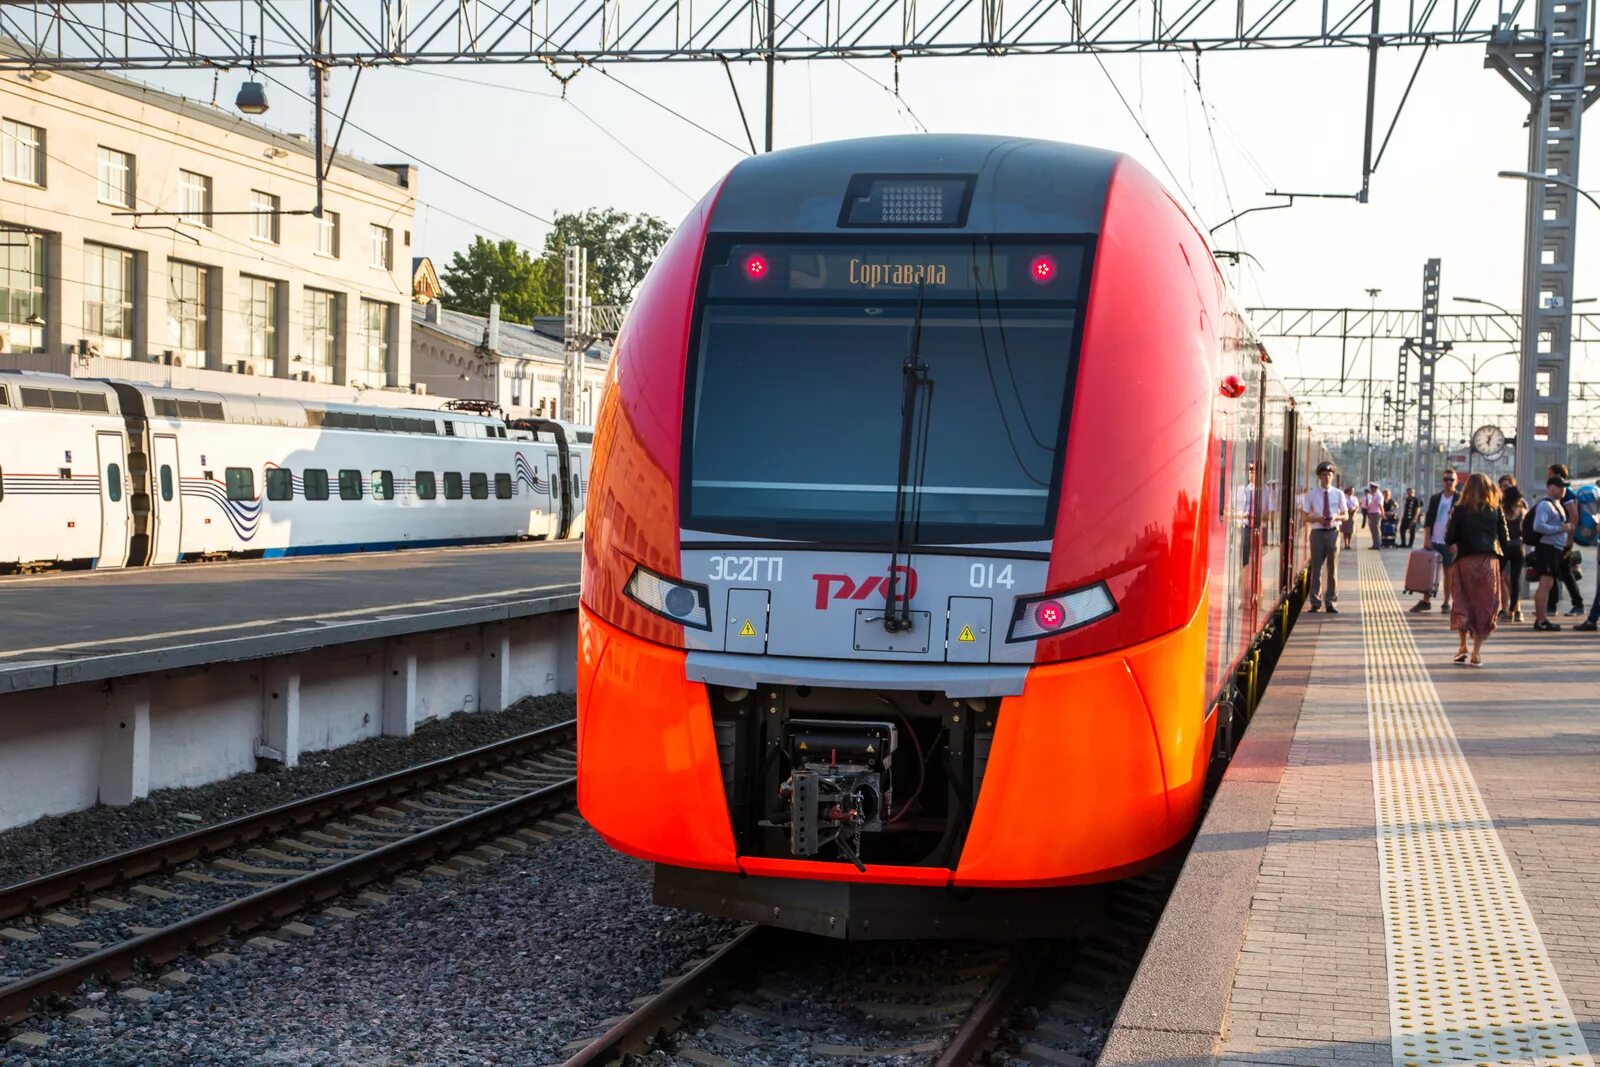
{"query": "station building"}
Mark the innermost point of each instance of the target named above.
(150, 237)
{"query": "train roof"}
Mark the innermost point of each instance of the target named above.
(1017, 184)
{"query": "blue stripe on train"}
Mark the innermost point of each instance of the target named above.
(378, 546)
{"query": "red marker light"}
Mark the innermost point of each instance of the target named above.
(1049, 615)
(756, 266)
(1233, 387)
(1043, 269)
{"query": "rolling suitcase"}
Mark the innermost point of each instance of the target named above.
(1388, 533)
(1422, 571)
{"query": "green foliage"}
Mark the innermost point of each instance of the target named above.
(621, 249)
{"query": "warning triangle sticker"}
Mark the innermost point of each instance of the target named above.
(966, 635)
(747, 630)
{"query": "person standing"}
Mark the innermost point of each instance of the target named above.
(1372, 504)
(1326, 510)
(1550, 523)
(1513, 563)
(1408, 518)
(1565, 579)
(1347, 529)
(1477, 531)
(1434, 524)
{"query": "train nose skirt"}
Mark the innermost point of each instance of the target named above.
(1470, 980)
(861, 911)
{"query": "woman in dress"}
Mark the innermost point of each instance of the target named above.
(1512, 565)
(1477, 531)
(1347, 529)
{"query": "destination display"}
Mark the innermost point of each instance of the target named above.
(1032, 271)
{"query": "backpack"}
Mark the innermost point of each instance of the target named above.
(1585, 534)
(1530, 536)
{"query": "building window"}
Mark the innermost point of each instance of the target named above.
(22, 156)
(427, 488)
(383, 485)
(241, 483)
(315, 482)
(21, 289)
(382, 255)
(261, 323)
(194, 198)
(186, 305)
(107, 293)
(376, 320)
(264, 223)
(349, 485)
(280, 483)
(322, 333)
(116, 177)
(328, 234)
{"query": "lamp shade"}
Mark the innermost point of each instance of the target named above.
(252, 98)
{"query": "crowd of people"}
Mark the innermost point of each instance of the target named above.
(1491, 540)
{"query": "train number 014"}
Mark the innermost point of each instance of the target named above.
(984, 576)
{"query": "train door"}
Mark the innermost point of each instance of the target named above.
(112, 456)
(165, 501)
(552, 470)
(580, 492)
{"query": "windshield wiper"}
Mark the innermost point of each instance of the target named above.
(916, 405)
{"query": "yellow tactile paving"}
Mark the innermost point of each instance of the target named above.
(1469, 978)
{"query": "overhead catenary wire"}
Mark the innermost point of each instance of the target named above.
(1137, 121)
(620, 143)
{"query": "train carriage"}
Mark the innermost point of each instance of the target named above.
(121, 474)
(930, 531)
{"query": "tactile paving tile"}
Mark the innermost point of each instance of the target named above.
(1469, 978)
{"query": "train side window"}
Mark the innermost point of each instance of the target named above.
(429, 426)
(383, 485)
(113, 482)
(386, 423)
(427, 488)
(241, 483)
(189, 409)
(93, 402)
(5, 396)
(315, 481)
(35, 398)
(479, 485)
(166, 483)
(366, 422)
(280, 483)
(2, 484)
(449, 428)
(210, 410)
(349, 485)
(502, 486)
(452, 485)
(64, 400)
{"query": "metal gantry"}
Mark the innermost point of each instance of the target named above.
(124, 34)
(1427, 349)
(1555, 71)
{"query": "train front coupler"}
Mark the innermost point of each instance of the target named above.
(840, 784)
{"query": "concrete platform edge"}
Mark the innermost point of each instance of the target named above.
(1176, 1008)
(99, 667)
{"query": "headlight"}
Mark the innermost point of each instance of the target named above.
(1054, 613)
(681, 602)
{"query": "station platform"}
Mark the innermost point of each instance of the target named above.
(86, 626)
(1402, 865)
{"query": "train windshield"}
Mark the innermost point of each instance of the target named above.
(795, 386)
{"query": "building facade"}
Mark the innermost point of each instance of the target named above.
(522, 369)
(137, 225)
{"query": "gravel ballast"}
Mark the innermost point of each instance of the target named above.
(504, 964)
(60, 841)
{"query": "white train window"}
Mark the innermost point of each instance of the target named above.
(383, 485)
(427, 489)
(241, 483)
(280, 483)
(452, 484)
(502, 486)
(349, 485)
(315, 481)
(479, 485)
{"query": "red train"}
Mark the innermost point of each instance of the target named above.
(939, 494)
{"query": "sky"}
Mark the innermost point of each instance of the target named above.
(1284, 120)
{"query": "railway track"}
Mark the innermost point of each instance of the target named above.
(171, 897)
(758, 993)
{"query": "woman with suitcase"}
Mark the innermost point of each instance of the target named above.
(1477, 533)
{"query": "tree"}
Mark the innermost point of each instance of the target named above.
(499, 271)
(621, 249)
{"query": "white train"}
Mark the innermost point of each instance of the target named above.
(117, 474)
